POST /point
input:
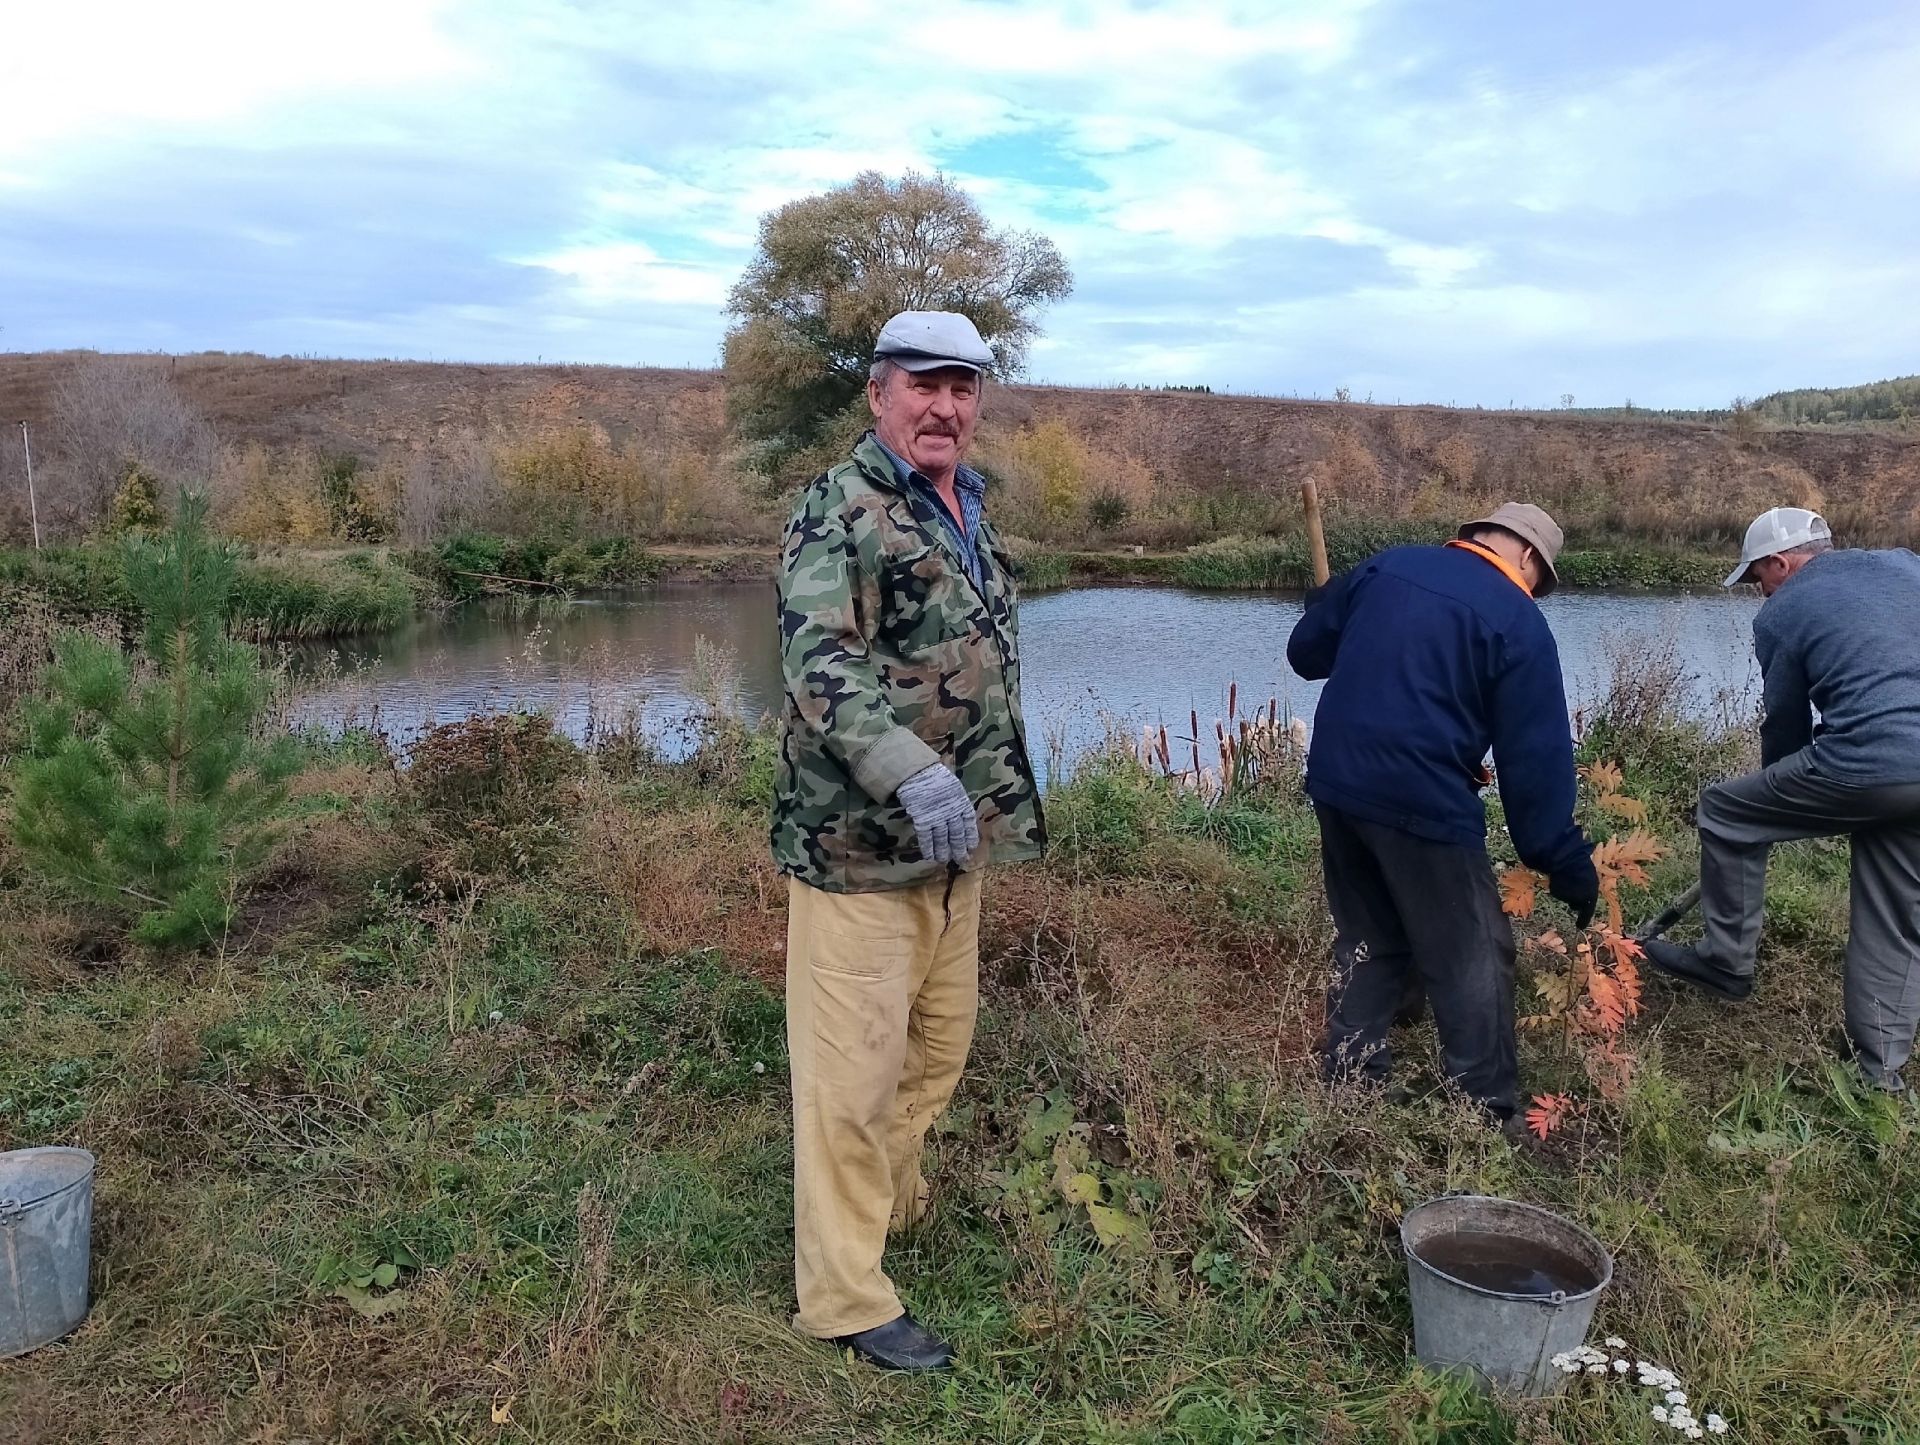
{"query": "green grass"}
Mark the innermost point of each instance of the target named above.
(479, 564)
(1254, 563)
(291, 595)
(276, 597)
(396, 1159)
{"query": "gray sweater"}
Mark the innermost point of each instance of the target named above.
(1843, 636)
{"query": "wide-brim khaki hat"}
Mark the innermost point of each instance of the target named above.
(1533, 526)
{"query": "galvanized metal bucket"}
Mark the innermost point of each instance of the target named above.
(1508, 1341)
(46, 1222)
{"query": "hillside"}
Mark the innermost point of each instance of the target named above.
(1200, 456)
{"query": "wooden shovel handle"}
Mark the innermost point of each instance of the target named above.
(1316, 536)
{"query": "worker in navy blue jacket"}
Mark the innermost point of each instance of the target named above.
(1433, 657)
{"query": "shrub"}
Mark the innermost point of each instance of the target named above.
(497, 793)
(136, 504)
(1246, 562)
(1108, 510)
(355, 511)
(479, 564)
(1051, 483)
(1647, 721)
(286, 598)
(264, 496)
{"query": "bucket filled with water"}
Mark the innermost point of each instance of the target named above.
(1499, 1288)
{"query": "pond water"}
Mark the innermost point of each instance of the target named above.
(1093, 656)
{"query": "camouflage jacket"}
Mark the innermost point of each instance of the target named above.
(893, 660)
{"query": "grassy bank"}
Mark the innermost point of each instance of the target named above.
(1283, 563)
(290, 594)
(421, 1155)
(278, 596)
(480, 564)
(287, 594)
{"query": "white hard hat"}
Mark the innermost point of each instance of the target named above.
(1778, 530)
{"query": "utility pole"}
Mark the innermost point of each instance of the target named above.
(33, 502)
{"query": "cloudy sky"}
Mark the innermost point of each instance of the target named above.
(1475, 202)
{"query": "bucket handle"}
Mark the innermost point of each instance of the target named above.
(10, 1210)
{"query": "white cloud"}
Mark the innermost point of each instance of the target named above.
(103, 71)
(626, 272)
(1289, 194)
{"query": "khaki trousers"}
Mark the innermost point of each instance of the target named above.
(882, 991)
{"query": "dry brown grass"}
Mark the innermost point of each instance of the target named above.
(1674, 482)
(691, 879)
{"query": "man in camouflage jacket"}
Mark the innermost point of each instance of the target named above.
(903, 771)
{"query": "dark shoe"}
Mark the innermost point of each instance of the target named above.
(902, 1344)
(1840, 1043)
(1515, 1131)
(1680, 961)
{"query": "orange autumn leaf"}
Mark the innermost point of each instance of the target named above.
(1625, 951)
(1621, 806)
(1626, 857)
(1607, 1001)
(1548, 1113)
(1518, 888)
(1605, 776)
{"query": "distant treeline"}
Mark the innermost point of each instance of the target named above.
(1896, 400)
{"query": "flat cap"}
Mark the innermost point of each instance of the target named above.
(928, 340)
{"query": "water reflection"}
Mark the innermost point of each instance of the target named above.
(1132, 655)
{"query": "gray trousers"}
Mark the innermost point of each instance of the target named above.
(1741, 818)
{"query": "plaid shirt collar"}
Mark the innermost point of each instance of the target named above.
(970, 489)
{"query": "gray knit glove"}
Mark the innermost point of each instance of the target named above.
(942, 814)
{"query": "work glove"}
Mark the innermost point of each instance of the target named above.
(1578, 886)
(942, 814)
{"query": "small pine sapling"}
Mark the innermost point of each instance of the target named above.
(147, 789)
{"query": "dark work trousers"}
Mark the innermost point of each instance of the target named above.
(1739, 821)
(1407, 908)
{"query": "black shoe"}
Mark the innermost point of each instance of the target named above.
(1514, 1130)
(1677, 960)
(1840, 1043)
(901, 1344)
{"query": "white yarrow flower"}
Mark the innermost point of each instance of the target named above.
(1614, 1342)
(1716, 1424)
(1660, 1413)
(1619, 1367)
(1676, 1397)
(1596, 1369)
